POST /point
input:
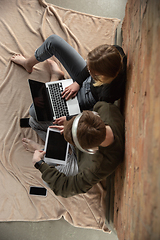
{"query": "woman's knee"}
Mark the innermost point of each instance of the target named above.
(54, 40)
(33, 124)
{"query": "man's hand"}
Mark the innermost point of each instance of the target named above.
(60, 121)
(70, 91)
(37, 156)
(60, 128)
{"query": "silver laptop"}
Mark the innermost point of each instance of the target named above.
(56, 147)
(48, 101)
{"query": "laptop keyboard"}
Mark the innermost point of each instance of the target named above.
(59, 104)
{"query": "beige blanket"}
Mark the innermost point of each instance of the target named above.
(24, 25)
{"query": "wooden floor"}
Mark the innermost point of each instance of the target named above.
(137, 180)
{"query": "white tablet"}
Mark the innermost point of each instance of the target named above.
(56, 147)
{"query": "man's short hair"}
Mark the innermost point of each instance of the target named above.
(91, 130)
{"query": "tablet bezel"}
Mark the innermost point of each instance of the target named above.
(52, 161)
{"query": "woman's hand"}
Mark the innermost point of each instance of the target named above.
(71, 91)
(37, 156)
(60, 128)
(60, 121)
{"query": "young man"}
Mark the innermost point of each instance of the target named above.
(99, 144)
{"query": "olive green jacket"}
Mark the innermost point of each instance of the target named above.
(92, 168)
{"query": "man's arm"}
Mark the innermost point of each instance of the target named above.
(67, 186)
(61, 184)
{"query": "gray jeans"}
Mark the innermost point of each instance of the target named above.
(72, 62)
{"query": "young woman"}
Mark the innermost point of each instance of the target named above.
(100, 78)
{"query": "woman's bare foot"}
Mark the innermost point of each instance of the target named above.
(20, 60)
(55, 71)
(30, 145)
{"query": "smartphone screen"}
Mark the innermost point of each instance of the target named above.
(40, 191)
(24, 122)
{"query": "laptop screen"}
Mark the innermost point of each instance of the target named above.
(41, 101)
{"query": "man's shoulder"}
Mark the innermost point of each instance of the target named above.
(110, 114)
(105, 106)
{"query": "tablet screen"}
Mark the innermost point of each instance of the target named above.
(56, 146)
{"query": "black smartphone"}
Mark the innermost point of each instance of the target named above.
(24, 123)
(40, 191)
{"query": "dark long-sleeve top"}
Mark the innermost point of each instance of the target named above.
(91, 168)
